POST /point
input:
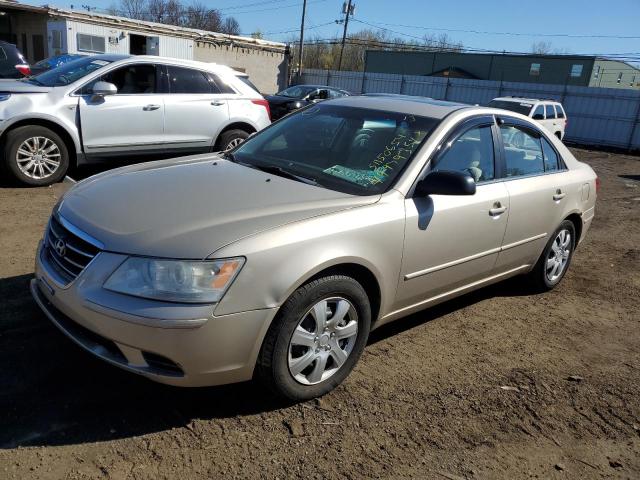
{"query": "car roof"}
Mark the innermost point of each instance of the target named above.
(411, 105)
(527, 100)
(306, 85)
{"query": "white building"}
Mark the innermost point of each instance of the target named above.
(40, 32)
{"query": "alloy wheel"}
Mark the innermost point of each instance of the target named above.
(323, 340)
(558, 256)
(234, 143)
(38, 157)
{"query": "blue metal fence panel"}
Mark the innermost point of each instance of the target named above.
(597, 116)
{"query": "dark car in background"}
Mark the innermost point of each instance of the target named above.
(298, 96)
(53, 62)
(12, 62)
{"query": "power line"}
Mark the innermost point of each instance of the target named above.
(482, 32)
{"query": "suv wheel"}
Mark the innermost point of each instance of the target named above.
(556, 257)
(316, 339)
(35, 155)
(230, 139)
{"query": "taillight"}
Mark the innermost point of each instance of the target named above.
(24, 69)
(263, 103)
(597, 185)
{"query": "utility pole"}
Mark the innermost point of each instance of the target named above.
(348, 10)
(304, 11)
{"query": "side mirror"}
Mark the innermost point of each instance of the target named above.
(102, 89)
(445, 182)
(538, 116)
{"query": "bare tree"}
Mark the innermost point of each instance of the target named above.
(541, 48)
(230, 26)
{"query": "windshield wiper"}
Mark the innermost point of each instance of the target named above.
(275, 170)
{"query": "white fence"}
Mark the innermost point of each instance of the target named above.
(597, 116)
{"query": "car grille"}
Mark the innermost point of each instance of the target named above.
(66, 252)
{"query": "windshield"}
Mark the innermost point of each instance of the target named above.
(519, 107)
(69, 72)
(353, 150)
(296, 91)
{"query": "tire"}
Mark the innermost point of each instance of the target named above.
(230, 139)
(283, 356)
(542, 276)
(34, 138)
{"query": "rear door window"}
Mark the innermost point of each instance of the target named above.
(522, 151)
(549, 111)
(187, 80)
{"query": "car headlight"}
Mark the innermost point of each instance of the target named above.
(175, 280)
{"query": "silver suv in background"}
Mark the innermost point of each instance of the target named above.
(107, 106)
(548, 113)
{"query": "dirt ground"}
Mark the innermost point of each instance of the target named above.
(497, 384)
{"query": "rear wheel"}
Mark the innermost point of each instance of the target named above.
(556, 258)
(231, 139)
(316, 339)
(35, 155)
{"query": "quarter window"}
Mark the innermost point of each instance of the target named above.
(560, 111)
(551, 162)
(220, 86)
(470, 153)
(522, 151)
(90, 43)
(186, 80)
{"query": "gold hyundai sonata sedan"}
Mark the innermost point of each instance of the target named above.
(276, 259)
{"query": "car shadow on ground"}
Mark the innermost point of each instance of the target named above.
(54, 393)
(631, 177)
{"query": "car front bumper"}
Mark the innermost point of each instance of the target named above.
(182, 345)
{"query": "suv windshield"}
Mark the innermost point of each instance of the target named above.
(68, 73)
(353, 150)
(519, 107)
(296, 92)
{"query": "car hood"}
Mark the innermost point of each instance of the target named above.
(15, 86)
(191, 208)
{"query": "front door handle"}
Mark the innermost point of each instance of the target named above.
(498, 209)
(217, 104)
(559, 195)
(150, 108)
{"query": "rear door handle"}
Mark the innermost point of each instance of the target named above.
(559, 195)
(217, 104)
(497, 209)
(149, 108)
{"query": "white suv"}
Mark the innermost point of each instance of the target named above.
(547, 113)
(108, 106)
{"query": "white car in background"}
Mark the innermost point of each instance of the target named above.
(105, 107)
(548, 113)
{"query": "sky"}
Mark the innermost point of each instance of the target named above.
(596, 26)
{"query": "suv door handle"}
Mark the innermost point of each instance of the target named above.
(217, 103)
(559, 195)
(149, 108)
(497, 209)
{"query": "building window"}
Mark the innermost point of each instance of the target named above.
(56, 39)
(535, 69)
(91, 43)
(619, 77)
(597, 71)
(576, 70)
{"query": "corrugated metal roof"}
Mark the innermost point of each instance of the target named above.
(150, 27)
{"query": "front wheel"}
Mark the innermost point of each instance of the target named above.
(316, 339)
(556, 257)
(36, 155)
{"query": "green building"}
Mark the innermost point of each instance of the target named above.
(577, 70)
